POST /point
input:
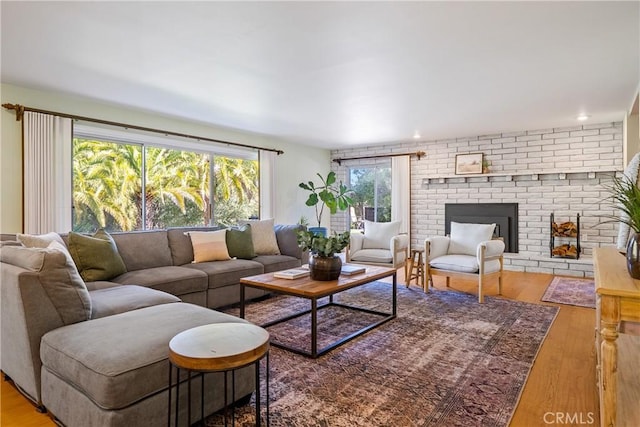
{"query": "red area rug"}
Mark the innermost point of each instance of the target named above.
(444, 361)
(571, 291)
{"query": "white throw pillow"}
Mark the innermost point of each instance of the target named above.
(378, 235)
(263, 236)
(40, 240)
(44, 241)
(465, 238)
(209, 245)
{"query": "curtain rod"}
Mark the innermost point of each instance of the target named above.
(419, 154)
(20, 109)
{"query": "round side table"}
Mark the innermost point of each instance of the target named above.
(220, 347)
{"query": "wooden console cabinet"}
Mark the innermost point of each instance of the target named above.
(617, 303)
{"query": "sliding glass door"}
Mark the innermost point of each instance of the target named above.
(372, 194)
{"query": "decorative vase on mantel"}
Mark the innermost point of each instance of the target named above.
(633, 255)
(324, 268)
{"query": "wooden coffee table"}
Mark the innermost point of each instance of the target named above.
(314, 290)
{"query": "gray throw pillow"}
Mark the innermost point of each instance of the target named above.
(59, 277)
(240, 242)
(96, 256)
(264, 236)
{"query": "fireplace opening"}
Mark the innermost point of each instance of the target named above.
(504, 215)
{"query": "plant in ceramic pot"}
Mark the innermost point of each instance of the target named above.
(324, 264)
(626, 196)
(328, 194)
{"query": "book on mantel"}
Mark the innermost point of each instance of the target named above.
(292, 273)
(351, 269)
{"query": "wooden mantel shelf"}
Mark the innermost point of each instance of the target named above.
(513, 176)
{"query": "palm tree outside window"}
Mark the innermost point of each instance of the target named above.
(111, 191)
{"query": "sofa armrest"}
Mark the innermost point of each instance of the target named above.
(27, 314)
(436, 246)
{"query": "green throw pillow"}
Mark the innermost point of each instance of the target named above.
(96, 257)
(240, 242)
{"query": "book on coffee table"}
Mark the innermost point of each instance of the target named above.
(292, 273)
(351, 269)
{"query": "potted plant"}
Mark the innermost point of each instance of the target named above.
(324, 264)
(330, 195)
(626, 197)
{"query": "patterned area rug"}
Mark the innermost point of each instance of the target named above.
(444, 361)
(571, 291)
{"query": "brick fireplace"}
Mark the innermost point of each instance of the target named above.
(543, 171)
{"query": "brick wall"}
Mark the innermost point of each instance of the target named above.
(560, 170)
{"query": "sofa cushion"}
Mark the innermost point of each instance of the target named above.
(96, 256)
(264, 236)
(174, 280)
(465, 238)
(122, 298)
(372, 255)
(287, 237)
(180, 244)
(240, 242)
(121, 359)
(273, 263)
(223, 273)
(378, 235)
(59, 277)
(153, 244)
(209, 245)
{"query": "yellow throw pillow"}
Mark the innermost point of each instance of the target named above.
(209, 245)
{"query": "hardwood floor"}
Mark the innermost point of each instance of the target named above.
(561, 386)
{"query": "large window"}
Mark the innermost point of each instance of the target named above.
(124, 186)
(372, 194)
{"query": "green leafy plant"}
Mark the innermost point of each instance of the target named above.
(329, 194)
(324, 246)
(625, 196)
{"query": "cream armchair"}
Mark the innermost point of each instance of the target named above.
(468, 252)
(381, 244)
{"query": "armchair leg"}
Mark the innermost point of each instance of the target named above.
(480, 295)
(500, 284)
(447, 281)
(408, 271)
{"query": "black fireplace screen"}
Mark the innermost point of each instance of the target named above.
(504, 215)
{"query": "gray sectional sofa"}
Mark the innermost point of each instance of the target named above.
(110, 368)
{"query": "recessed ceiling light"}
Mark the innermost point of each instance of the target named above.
(416, 135)
(583, 117)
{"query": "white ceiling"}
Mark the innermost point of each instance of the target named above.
(336, 74)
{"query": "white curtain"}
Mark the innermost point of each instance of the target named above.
(401, 192)
(47, 173)
(267, 184)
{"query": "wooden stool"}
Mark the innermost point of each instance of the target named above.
(220, 347)
(416, 267)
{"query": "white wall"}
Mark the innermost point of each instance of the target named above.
(298, 163)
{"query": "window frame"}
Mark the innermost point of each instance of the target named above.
(145, 140)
